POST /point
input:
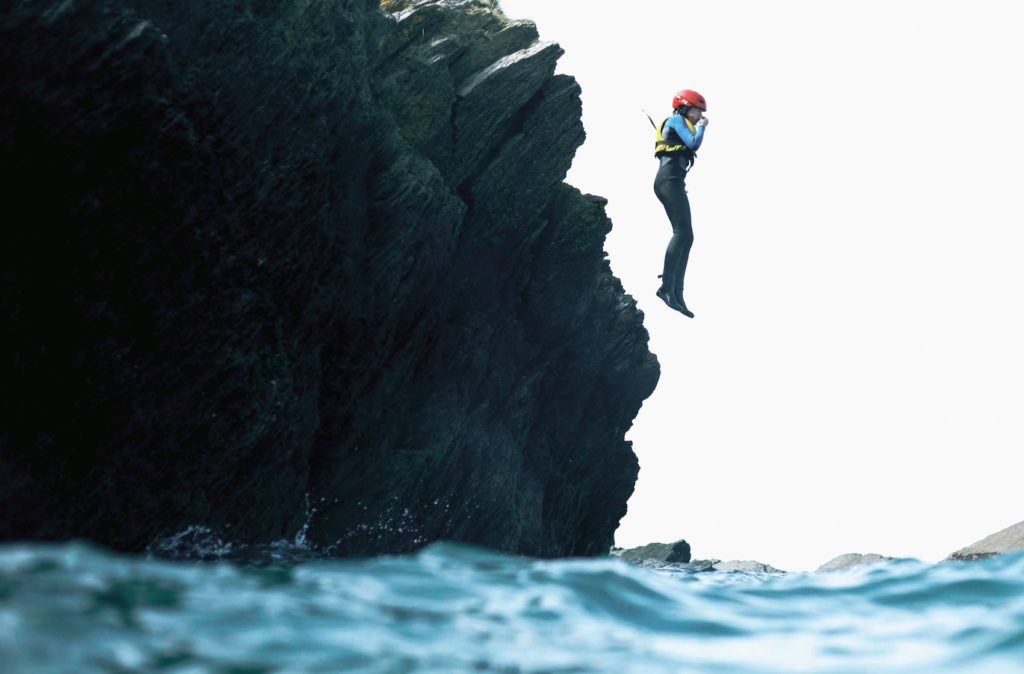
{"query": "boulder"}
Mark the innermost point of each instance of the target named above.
(678, 552)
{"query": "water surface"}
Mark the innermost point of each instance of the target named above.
(451, 609)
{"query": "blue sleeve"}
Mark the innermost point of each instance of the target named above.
(692, 140)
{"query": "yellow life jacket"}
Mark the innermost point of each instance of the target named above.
(674, 144)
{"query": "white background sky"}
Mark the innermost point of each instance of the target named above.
(852, 379)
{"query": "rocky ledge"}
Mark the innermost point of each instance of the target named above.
(273, 267)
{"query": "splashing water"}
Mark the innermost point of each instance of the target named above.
(451, 608)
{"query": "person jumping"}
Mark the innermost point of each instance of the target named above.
(677, 140)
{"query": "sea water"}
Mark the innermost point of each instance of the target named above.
(450, 608)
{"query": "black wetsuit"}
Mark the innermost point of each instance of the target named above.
(670, 187)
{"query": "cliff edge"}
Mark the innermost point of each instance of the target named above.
(306, 265)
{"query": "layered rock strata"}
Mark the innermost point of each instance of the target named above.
(309, 266)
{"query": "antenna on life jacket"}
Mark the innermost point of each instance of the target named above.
(649, 118)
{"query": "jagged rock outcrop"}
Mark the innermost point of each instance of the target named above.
(707, 565)
(1010, 539)
(678, 555)
(307, 262)
(677, 552)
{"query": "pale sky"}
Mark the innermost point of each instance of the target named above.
(852, 381)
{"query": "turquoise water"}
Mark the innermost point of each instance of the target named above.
(75, 608)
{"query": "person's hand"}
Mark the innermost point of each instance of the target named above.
(703, 121)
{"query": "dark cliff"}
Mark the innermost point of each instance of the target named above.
(275, 263)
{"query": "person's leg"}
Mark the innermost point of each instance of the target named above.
(672, 194)
(682, 229)
(663, 190)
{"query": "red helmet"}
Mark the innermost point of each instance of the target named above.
(689, 98)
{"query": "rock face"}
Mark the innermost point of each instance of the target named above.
(1010, 539)
(305, 263)
(851, 559)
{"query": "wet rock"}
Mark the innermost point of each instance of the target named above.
(704, 565)
(851, 559)
(678, 552)
(306, 266)
(1010, 539)
(678, 555)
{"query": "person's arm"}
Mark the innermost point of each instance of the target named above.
(692, 140)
